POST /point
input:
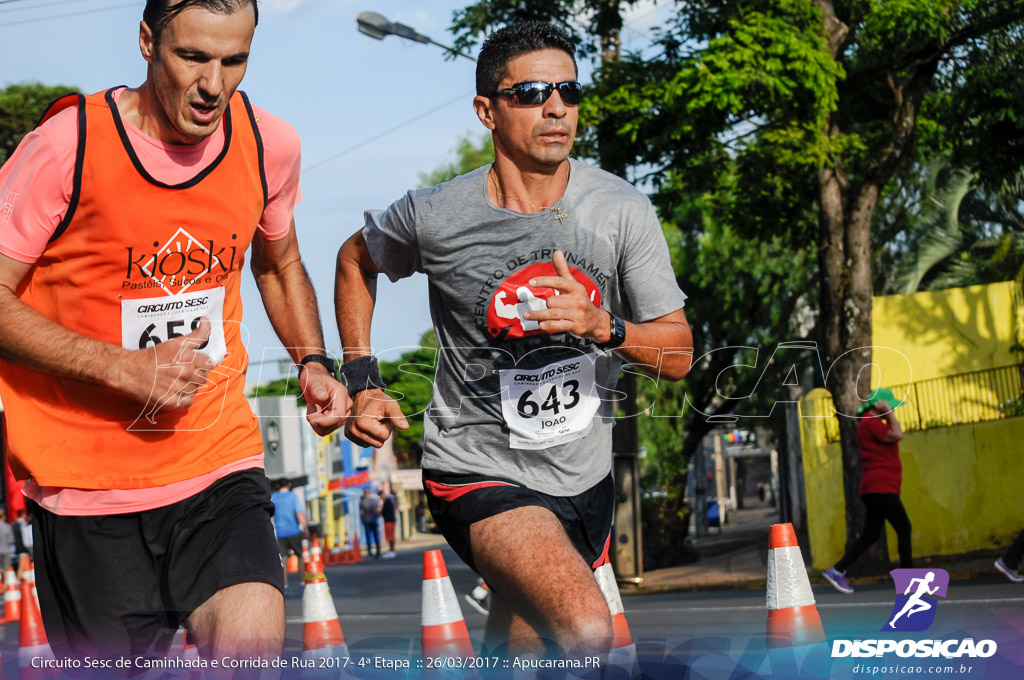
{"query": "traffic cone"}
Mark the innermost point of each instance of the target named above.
(321, 631)
(622, 654)
(184, 656)
(32, 643)
(12, 597)
(292, 565)
(316, 555)
(357, 553)
(793, 618)
(306, 559)
(189, 652)
(444, 630)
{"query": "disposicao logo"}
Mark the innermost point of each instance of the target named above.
(916, 589)
(914, 611)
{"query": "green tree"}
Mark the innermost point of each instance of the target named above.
(470, 153)
(21, 107)
(809, 106)
(410, 381)
(282, 387)
(960, 234)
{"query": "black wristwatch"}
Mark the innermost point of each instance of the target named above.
(330, 364)
(618, 333)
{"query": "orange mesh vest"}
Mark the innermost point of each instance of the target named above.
(136, 262)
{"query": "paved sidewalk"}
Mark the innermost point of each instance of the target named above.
(732, 558)
(735, 558)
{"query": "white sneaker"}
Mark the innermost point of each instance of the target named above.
(475, 604)
(1007, 572)
(389, 555)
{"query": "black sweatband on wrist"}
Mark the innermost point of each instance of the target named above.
(330, 364)
(361, 374)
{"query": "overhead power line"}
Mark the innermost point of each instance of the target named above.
(325, 161)
(35, 5)
(68, 14)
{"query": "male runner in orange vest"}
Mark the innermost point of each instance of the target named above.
(124, 222)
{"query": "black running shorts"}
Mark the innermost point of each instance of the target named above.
(457, 501)
(118, 585)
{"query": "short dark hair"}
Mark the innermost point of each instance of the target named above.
(158, 13)
(509, 42)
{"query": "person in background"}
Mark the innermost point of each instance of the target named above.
(22, 528)
(289, 522)
(388, 514)
(878, 436)
(1007, 564)
(6, 542)
(369, 513)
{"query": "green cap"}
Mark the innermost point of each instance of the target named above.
(880, 394)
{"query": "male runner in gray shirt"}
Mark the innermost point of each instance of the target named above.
(532, 263)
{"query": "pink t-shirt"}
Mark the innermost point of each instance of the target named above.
(37, 181)
(35, 189)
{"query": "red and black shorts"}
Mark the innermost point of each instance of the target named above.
(456, 501)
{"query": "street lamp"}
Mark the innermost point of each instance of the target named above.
(378, 27)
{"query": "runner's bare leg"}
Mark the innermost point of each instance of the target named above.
(541, 587)
(244, 621)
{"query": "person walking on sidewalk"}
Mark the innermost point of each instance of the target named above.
(878, 436)
(545, 275)
(369, 514)
(388, 515)
(126, 218)
(6, 542)
(289, 522)
(1007, 564)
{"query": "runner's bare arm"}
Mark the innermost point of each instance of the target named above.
(290, 302)
(374, 413)
(661, 347)
(33, 340)
(355, 294)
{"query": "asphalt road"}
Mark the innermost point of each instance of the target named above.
(379, 607)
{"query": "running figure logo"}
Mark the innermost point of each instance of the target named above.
(914, 609)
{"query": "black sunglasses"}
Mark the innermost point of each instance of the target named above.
(535, 92)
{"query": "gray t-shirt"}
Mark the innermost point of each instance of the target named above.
(510, 400)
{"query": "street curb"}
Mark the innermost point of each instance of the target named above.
(738, 585)
(753, 584)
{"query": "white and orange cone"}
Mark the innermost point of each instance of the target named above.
(316, 556)
(622, 654)
(32, 642)
(12, 597)
(321, 630)
(306, 559)
(444, 629)
(187, 654)
(793, 618)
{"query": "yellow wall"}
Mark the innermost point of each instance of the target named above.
(935, 334)
(961, 488)
(960, 483)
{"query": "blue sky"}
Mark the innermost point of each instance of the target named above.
(345, 93)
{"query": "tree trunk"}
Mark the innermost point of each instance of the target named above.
(844, 260)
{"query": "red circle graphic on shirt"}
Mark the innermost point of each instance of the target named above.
(515, 295)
